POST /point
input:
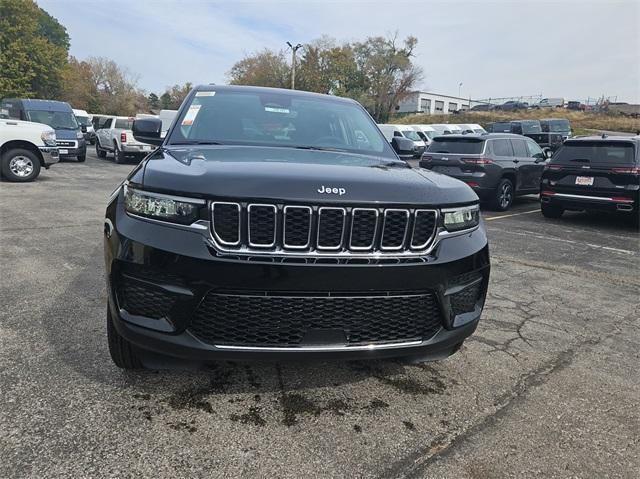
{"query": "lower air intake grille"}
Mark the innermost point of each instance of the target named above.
(284, 321)
(465, 300)
(138, 298)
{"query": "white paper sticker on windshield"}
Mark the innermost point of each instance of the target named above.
(206, 93)
(276, 110)
(191, 115)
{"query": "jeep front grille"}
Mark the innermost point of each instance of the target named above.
(262, 228)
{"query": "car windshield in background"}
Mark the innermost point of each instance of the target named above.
(58, 120)
(556, 126)
(278, 119)
(501, 127)
(83, 120)
(411, 134)
(465, 146)
(593, 152)
(531, 127)
(124, 124)
(430, 134)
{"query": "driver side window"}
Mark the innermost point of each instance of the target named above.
(534, 149)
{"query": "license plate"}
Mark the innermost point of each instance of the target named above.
(446, 170)
(146, 148)
(63, 152)
(584, 180)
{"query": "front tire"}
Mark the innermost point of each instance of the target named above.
(99, 151)
(503, 196)
(20, 165)
(551, 211)
(123, 353)
(82, 158)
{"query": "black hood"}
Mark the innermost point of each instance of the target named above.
(273, 173)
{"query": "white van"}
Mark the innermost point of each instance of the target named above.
(551, 103)
(427, 132)
(84, 119)
(446, 129)
(405, 131)
(472, 128)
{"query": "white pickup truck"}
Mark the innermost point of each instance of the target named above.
(25, 148)
(113, 135)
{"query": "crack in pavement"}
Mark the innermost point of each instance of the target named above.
(414, 465)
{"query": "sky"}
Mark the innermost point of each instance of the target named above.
(573, 48)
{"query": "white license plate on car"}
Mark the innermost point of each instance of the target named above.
(146, 148)
(584, 180)
(63, 152)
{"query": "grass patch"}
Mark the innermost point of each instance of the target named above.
(582, 122)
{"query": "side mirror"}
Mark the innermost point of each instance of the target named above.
(547, 153)
(403, 146)
(83, 128)
(148, 130)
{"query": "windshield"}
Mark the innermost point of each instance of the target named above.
(124, 123)
(468, 146)
(411, 134)
(590, 152)
(430, 134)
(504, 127)
(83, 120)
(278, 119)
(58, 120)
(562, 126)
(531, 126)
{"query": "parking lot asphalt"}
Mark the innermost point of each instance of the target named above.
(548, 386)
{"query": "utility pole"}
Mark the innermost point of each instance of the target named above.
(459, 88)
(294, 49)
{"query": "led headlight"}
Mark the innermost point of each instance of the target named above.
(173, 209)
(466, 217)
(48, 138)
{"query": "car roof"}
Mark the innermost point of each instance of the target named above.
(52, 105)
(484, 136)
(550, 119)
(267, 90)
(605, 138)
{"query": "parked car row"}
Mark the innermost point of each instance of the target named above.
(423, 135)
(515, 105)
(548, 133)
(587, 173)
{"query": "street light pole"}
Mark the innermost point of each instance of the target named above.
(294, 49)
(459, 88)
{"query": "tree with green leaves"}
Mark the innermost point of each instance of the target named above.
(33, 50)
(265, 68)
(153, 101)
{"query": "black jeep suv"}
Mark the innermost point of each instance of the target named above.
(498, 166)
(593, 173)
(281, 224)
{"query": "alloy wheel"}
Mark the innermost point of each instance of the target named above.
(506, 195)
(21, 166)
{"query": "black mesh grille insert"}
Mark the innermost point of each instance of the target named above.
(262, 221)
(423, 229)
(395, 226)
(226, 222)
(330, 227)
(363, 228)
(297, 226)
(144, 300)
(260, 320)
(465, 300)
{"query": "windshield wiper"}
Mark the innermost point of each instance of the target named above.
(196, 142)
(318, 148)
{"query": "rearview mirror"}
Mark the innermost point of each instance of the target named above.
(148, 130)
(403, 146)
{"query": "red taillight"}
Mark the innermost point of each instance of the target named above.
(477, 161)
(548, 193)
(632, 170)
(123, 137)
(622, 199)
(473, 184)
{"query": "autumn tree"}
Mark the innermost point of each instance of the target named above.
(388, 71)
(78, 86)
(173, 97)
(265, 68)
(33, 50)
(117, 92)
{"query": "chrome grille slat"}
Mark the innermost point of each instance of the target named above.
(250, 229)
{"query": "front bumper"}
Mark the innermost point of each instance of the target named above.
(49, 155)
(179, 262)
(72, 148)
(136, 149)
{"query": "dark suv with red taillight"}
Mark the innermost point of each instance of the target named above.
(498, 166)
(593, 173)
